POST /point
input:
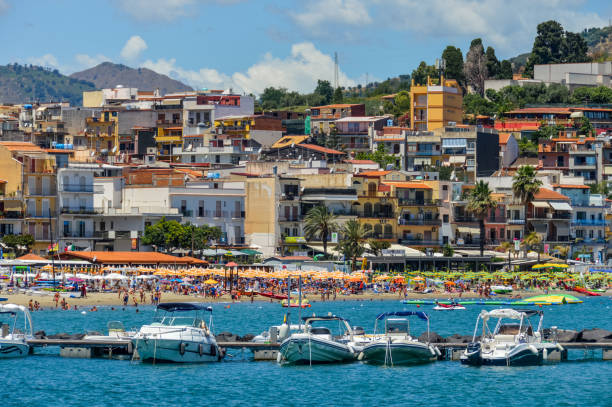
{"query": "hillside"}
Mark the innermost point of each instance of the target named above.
(28, 83)
(109, 75)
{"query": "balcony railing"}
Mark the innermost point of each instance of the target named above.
(289, 218)
(380, 215)
(84, 235)
(548, 216)
(467, 219)
(419, 242)
(11, 215)
(81, 210)
(12, 196)
(588, 222)
(424, 222)
(496, 219)
(516, 221)
(237, 214)
(41, 192)
(96, 189)
(386, 236)
(418, 202)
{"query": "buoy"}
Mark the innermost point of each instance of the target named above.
(227, 306)
(83, 312)
(418, 305)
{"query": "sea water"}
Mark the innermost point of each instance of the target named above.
(45, 379)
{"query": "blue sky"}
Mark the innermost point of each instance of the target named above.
(252, 44)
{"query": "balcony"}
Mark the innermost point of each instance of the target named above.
(465, 219)
(549, 216)
(498, 219)
(588, 222)
(41, 192)
(237, 214)
(383, 236)
(385, 215)
(420, 222)
(78, 235)
(35, 215)
(289, 219)
(186, 213)
(78, 188)
(418, 202)
(13, 196)
(11, 215)
(516, 221)
(84, 210)
(419, 242)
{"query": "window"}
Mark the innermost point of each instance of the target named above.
(445, 218)
(444, 187)
(102, 226)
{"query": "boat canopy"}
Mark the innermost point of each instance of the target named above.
(183, 306)
(508, 313)
(419, 314)
(324, 318)
(12, 308)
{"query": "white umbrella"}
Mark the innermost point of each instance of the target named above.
(115, 276)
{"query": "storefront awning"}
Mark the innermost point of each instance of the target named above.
(560, 206)
(457, 159)
(454, 142)
(540, 204)
(467, 229)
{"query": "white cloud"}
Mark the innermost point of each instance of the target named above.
(133, 48)
(320, 12)
(163, 10)
(47, 60)
(85, 61)
(298, 71)
(507, 25)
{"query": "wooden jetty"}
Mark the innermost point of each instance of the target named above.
(88, 348)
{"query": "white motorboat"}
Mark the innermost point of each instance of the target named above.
(277, 333)
(396, 346)
(510, 343)
(13, 340)
(316, 344)
(178, 334)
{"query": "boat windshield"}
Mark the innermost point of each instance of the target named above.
(179, 321)
(513, 329)
(397, 325)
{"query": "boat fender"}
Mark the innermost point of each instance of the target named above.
(545, 354)
(351, 349)
(201, 349)
(182, 348)
(360, 357)
(561, 349)
(435, 351)
(533, 349)
(279, 357)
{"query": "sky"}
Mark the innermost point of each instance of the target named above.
(249, 45)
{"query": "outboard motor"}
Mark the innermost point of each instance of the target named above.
(472, 355)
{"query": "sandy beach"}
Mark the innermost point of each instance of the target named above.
(112, 299)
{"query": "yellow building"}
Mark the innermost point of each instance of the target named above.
(435, 105)
(167, 139)
(103, 132)
(376, 207)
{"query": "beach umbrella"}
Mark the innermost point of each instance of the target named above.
(231, 264)
(210, 281)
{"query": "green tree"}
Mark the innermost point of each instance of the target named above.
(319, 223)
(475, 67)
(165, 235)
(601, 188)
(454, 63)
(379, 156)
(377, 246)
(493, 64)
(324, 89)
(531, 241)
(20, 244)
(353, 241)
(562, 251)
(575, 48)
(505, 70)
(585, 95)
(447, 250)
(584, 126)
(402, 101)
(197, 238)
(338, 96)
(423, 71)
(525, 186)
(476, 104)
(547, 45)
(527, 148)
(480, 204)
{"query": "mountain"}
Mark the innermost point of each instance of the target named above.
(109, 75)
(29, 83)
(599, 41)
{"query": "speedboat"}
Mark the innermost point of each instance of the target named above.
(178, 334)
(448, 307)
(510, 343)
(295, 303)
(316, 344)
(501, 289)
(14, 343)
(396, 346)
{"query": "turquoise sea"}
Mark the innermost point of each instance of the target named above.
(48, 380)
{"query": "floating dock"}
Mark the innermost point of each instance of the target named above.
(123, 348)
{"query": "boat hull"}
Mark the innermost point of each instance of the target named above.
(13, 349)
(315, 350)
(521, 355)
(384, 353)
(176, 351)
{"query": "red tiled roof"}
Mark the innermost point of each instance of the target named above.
(20, 146)
(503, 138)
(543, 110)
(338, 105)
(131, 258)
(545, 194)
(571, 186)
(377, 173)
(359, 161)
(31, 256)
(320, 149)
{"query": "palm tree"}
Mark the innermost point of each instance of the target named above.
(377, 246)
(531, 240)
(480, 204)
(563, 251)
(524, 187)
(354, 237)
(507, 247)
(319, 223)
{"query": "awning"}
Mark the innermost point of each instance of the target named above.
(560, 206)
(454, 142)
(466, 229)
(539, 204)
(422, 161)
(607, 169)
(456, 159)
